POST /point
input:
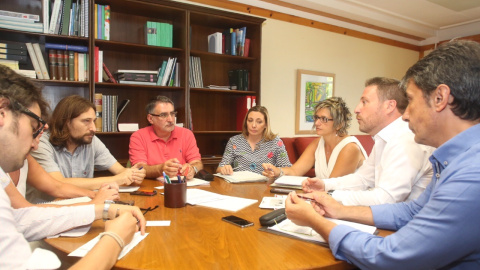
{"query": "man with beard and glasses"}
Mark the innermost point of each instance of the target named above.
(70, 151)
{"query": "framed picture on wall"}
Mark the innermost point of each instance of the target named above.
(312, 87)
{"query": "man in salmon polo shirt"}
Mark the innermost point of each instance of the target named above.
(164, 147)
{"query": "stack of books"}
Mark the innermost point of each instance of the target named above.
(38, 61)
(159, 34)
(68, 17)
(20, 21)
(67, 62)
(196, 80)
(14, 51)
(230, 41)
(102, 22)
(145, 77)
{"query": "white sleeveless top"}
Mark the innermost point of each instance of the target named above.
(322, 169)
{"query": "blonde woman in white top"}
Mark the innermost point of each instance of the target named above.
(334, 153)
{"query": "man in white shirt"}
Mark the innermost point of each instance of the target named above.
(21, 105)
(397, 169)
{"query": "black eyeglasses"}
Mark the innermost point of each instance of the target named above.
(322, 119)
(148, 209)
(165, 114)
(41, 122)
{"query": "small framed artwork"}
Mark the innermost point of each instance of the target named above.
(312, 87)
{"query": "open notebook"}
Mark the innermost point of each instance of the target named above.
(243, 177)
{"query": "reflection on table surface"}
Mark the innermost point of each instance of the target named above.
(198, 239)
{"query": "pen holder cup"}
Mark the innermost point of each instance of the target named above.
(175, 195)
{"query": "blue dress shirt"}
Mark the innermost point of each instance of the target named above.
(439, 230)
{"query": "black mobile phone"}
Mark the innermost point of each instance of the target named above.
(280, 190)
(237, 221)
(144, 192)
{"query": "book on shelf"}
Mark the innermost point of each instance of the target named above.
(75, 66)
(168, 71)
(136, 82)
(54, 17)
(246, 47)
(10, 63)
(71, 66)
(161, 72)
(52, 64)
(17, 16)
(13, 51)
(45, 15)
(59, 63)
(215, 43)
(22, 26)
(67, 7)
(109, 113)
(22, 59)
(26, 73)
(218, 87)
(164, 34)
(136, 71)
(98, 113)
(109, 74)
(151, 33)
(96, 66)
(244, 104)
(41, 60)
(139, 77)
(65, 47)
(13, 45)
(33, 58)
(106, 22)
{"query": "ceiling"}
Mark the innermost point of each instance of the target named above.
(417, 22)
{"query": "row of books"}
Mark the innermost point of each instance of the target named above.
(102, 22)
(238, 79)
(195, 74)
(230, 41)
(67, 17)
(20, 21)
(159, 34)
(68, 65)
(166, 75)
(108, 111)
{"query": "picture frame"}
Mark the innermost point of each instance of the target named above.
(312, 87)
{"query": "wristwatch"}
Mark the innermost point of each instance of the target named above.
(195, 169)
(106, 206)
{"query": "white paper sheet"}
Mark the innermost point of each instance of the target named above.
(276, 202)
(214, 200)
(159, 223)
(193, 182)
(83, 250)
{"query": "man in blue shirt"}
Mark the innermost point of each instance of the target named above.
(439, 230)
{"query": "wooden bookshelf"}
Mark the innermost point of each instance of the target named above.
(213, 112)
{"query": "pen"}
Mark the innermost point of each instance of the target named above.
(307, 199)
(179, 179)
(166, 178)
(140, 168)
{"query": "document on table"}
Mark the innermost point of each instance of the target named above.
(193, 182)
(83, 250)
(306, 233)
(290, 181)
(243, 177)
(214, 200)
(276, 202)
(70, 201)
(128, 188)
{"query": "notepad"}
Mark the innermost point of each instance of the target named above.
(289, 228)
(290, 181)
(243, 177)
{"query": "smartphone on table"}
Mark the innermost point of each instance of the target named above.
(240, 222)
(144, 192)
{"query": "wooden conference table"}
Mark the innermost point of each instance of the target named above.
(198, 239)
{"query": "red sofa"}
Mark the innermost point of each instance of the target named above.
(296, 145)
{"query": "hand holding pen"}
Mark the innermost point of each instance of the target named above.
(171, 167)
(138, 173)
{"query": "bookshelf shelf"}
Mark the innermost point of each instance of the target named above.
(207, 91)
(210, 113)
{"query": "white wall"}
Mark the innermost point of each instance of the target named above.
(287, 47)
